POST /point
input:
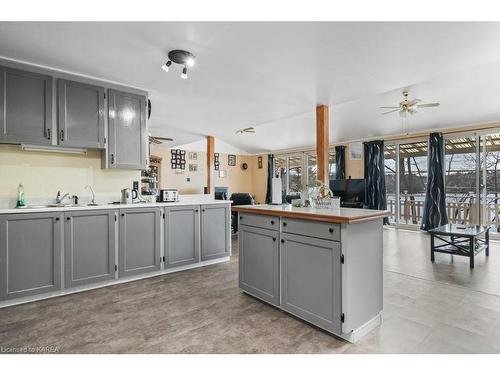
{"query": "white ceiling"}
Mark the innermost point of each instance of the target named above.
(272, 75)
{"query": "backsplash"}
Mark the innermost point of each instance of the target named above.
(43, 174)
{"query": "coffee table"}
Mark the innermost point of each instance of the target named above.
(460, 239)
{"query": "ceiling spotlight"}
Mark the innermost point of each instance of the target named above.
(180, 57)
(190, 61)
(167, 65)
(184, 73)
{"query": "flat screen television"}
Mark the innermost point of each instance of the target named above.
(350, 191)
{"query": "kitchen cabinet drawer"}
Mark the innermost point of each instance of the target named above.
(316, 229)
(182, 235)
(80, 114)
(30, 254)
(25, 107)
(139, 240)
(259, 263)
(311, 280)
(89, 247)
(260, 221)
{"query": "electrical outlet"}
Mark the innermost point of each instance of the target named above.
(188, 179)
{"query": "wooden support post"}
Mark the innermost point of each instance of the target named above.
(210, 164)
(322, 142)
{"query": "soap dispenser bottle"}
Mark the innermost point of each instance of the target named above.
(21, 200)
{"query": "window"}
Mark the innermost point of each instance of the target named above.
(390, 179)
(295, 173)
(312, 170)
(280, 170)
(412, 181)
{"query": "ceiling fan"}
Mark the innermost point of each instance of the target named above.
(408, 106)
(250, 129)
(159, 140)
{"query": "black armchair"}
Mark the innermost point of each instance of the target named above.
(239, 199)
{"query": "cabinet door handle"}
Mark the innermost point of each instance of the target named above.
(331, 230)
(195, 210)
(284, 224)
(112, 158)
(62, 135)
(123, 215)
(272, 222)
(57, 219)
(282, 241)
(241, 217)
(68, 218)
(48, 133)
(274, 239)
(203, 210)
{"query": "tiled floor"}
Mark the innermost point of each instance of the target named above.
(428, 308)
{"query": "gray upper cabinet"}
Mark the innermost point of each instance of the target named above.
(80, 114)
(139, 240)
(215, 236)
(30, 254)
(25, 107)
(128, 141)
(259, 263)
(89, 247)
(182, 235)
(311, 280)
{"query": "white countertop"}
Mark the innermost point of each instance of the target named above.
(29, 209)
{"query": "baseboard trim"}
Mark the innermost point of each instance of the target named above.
(64, 292)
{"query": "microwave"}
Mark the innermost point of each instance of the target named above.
(168, 195)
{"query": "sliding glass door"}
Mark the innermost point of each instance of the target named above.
(472, 180)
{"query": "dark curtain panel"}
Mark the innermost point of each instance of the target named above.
(375, 197)
(270, 172)
(434, 213)
(340, 162)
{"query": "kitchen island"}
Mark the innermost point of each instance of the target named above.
(322, 265)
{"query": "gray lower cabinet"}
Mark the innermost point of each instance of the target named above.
(128, 140)
(80, 109)
(89, 247)
(182, 235)
(139, 248)
(215, 236)
(311, 280)
(259, 266)
(30, 254)
(25, 107)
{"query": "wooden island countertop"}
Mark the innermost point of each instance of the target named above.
(337, 216)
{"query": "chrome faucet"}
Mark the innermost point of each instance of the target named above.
(92, 203)
(59, 199)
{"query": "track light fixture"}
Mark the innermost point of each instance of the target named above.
(167, 65)
(184, 73)
(180, 57)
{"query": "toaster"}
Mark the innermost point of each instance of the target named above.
(168, 195)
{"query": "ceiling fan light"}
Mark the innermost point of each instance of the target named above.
(184, 73)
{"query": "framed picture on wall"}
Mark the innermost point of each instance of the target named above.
(193, 156)
(259, 162)
(356, 151)
(231, 160)
(216, 161)
(193, 167)
(222, 174)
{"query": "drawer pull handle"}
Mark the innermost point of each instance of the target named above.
(282, 241)
(274, 239)
(272, 222)
(196, 210)
(68, 218)
(241, 217)
(123, 215)
(284, 224)
(331, 230)
(57, 219)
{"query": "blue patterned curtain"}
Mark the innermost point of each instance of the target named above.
(435, 197)
(340, 162)
(375, 197)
